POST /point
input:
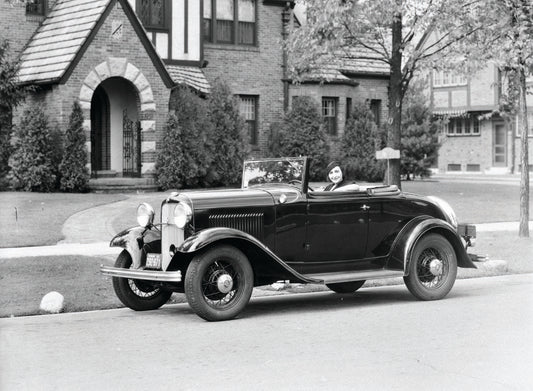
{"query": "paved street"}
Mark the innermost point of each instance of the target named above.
(479, 338)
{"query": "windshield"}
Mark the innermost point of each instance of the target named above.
(265, 171)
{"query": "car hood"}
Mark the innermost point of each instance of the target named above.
(227, 198)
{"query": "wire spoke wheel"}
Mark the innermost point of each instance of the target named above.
(432, 268)
(219, 283)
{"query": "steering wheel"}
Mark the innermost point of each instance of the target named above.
(299, 182)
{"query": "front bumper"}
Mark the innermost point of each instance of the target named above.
(139, 274)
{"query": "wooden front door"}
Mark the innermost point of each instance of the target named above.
(100, 132)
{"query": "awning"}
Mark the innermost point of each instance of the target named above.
(191, 76)
(450, 113)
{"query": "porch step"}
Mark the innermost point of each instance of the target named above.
(119, 184)
(333, 278)
(106, 174)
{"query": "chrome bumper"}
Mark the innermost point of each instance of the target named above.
(136, 274)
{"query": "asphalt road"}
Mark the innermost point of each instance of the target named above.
(479, 338)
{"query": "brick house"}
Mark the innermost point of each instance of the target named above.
(121, 60)
(474, 139)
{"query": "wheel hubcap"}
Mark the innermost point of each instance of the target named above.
(225, 283)
(436, 267)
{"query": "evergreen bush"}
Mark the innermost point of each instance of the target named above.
(301, 133)
(359, 144)
(419, 141)
(32, 161)
(183, 159)
(229, 145)
(73, 167)
(11, 93)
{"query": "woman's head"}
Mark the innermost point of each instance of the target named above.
(334, 172)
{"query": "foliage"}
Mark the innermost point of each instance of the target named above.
(228, 140)
(420, 143)
(73, 167)
(183, 158)
(301, 133)
(360, 141)
(32, 163)
(387, 31)
(11, 94)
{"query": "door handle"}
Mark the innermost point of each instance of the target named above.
(365, 207)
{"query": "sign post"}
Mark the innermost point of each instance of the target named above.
(388, 153)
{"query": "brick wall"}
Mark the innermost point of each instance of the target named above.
(15, 26)
(254, 70)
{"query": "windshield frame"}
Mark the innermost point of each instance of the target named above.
(302, 186)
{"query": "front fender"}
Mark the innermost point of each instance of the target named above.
(263, 260)
(134, 239)
(405, 243)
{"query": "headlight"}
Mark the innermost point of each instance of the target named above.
(447, 210)
(182, 215)
(145, 214)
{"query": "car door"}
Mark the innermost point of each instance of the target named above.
(337, 229)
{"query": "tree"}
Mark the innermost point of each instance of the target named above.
(32, 162)
(183, 159)
(389, 31)
(419, 141)
(227, 138)
(73, 167)
(301, 133)
(504, 36)
(11, 94)
(360, 141)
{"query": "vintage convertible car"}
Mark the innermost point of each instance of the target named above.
(215, 246)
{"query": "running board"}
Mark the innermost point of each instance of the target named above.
(333, 278)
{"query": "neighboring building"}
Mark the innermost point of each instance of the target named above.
(122, 58)
(475, 140)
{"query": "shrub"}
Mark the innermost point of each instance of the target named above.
(359, 143)
(228, 138)
(183, 159)
(419, 140)
(301, 133)
(73, 167)
(11, 93)
(32, 162)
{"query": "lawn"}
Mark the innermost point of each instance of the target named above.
(35, 219)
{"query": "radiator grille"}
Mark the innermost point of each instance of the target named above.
(170, 233)
(251, 223)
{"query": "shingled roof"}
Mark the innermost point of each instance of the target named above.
(57, 41)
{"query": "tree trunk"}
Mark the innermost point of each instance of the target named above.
(524, 159)
(392, 176)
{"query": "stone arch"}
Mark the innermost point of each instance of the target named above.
(121, 67)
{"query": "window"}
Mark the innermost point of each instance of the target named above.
(375, 107)
(36, 7)
(529, 124)
(443, 79)
(348, 108)
(230, 21)
(152, 13)
(248, 109)
(329, 113)
(467, 126)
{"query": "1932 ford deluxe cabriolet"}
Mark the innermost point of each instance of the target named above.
(215, 246)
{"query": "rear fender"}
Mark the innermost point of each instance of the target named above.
(409, 236)
(134, 239)
(265, 263)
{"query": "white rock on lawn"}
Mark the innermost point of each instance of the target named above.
(52, 302)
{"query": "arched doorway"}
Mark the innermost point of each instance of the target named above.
(115, 129)
(100, 132)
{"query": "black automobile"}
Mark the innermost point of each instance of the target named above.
(215, 246)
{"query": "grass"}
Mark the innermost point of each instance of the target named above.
(35, 219)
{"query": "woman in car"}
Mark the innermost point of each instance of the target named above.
(336, 177)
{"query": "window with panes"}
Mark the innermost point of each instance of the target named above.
(36, 7)
(375, 108)
(230, 21)
(329, 114)
(248, 109)
(467, 126)
(444, 79)
(153, 14)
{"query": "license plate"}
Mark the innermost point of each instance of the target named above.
(153, 261)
